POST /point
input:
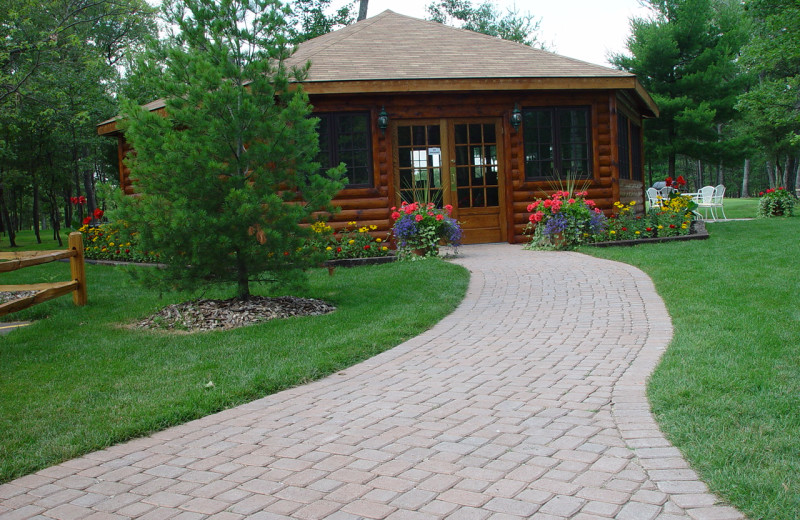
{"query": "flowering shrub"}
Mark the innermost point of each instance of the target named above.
(776, 203)
(111, 241)
(353, 242)
(562, 221)
(423, 228)
(673, 218)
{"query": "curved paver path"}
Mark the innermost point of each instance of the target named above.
(527, 402)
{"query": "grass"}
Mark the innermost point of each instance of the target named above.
(26, 241)
(727, 391)
(77, 380)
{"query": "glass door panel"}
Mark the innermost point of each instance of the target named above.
(476, 165)
(419, 153)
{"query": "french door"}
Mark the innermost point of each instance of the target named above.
(457, 162)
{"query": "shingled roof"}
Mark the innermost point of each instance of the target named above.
(392, 46)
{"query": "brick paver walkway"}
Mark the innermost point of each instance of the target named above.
(527, 402)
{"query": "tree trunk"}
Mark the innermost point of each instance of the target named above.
(243, 285)
(797, 178)
(88, 187)
(720, 172)
(362, 9)
(787, 167)
(35, 188)
(770, 174)
(671, 165)
(699, 174)
(746, 179)
(12, 236)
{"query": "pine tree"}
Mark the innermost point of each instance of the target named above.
(226, 175)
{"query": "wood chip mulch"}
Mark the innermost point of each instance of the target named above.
(203, 315)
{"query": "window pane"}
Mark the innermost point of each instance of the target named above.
(491, 176)
(475, 134)
(492, 198)
(348, 141)
(463, 198)
(404, 136)
(478, 200)
(623, 149)
(418, 136)
(434, 137)
(489, 134)
(461, 134)
(636, 152)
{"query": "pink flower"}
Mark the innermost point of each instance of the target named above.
(448, 208)
(590, 203)
(395, 215)
(418, 218)
(439, 216)
(533, 206)
(430, 213)
(409, 210)
(571, 201)
(548, 203)
(597, 210)
(556, 206)
(582, 194)
(538, 216)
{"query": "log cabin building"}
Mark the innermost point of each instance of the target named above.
(485, 124)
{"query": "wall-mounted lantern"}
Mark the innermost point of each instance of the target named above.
(516, 117)
(383, 120)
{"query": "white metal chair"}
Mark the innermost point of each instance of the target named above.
(665, 192)
(716, 202)
(705, 200)
(652, 197)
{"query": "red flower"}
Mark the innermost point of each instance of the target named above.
(73, 200)
(680, 181)
(395, 215)
(81, 200)
(338, 249)
(367, 248)
(624, 229)
(760, 193)
(117, 251)
(448, 208)
(668, 181)
(649, 229)
(672, 226)
(87, 220)
(98, 213)
(286, 253)
(418, 218)
(439, 217)
(780, 188)
(571, 201)
(127, 250)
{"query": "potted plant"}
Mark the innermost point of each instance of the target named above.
(421, 228)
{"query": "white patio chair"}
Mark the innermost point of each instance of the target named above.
(705, 201)
(652, 198)
(665, 192)
(719, 194)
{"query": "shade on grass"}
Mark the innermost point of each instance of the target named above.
(727, 391)
(78, 379)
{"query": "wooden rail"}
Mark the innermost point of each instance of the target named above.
(46, 291)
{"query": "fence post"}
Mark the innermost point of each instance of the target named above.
(77, 269)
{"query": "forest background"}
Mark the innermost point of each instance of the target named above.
(724, 73)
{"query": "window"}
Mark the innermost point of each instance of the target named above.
(557, 142)
(629, 136)
(345, 138)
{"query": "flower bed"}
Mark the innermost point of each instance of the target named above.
(565, 221)
(111, 241)
(354, 241)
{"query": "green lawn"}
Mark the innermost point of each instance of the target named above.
(727, 391)
(77, 380)
(26, 241)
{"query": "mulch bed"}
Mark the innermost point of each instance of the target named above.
(204, 315)
(696, 232)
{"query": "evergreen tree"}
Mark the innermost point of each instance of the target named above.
(487, 19)
(685, 56)
(227, 174)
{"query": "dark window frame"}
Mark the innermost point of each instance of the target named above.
(630, 153)
(333, 122)
(556, 142)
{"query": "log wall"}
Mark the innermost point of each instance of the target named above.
(372, 206)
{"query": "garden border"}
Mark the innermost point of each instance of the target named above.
(698, 231)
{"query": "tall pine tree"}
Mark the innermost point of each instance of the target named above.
(227, 174)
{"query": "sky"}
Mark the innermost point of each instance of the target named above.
(584, 29)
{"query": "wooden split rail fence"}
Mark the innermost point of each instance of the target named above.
(46, 291)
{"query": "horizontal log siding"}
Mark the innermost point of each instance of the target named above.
(372, 206)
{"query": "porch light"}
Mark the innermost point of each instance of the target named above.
(383, 120)
(516, 117)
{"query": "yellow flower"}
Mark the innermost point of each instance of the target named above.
(373, 227)
(111, 244)
(683, 226)
(612, 232)
(362, 230)
(378, 240)
(353, 223)
(633, 202)
(638, 233)
(351, 241)
(328, 248)
(660, 227)
(384, 248)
